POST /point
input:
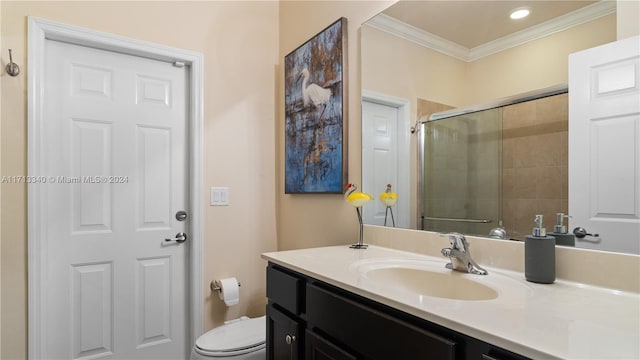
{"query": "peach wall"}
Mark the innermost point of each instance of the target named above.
(319, 220)
(239, 41)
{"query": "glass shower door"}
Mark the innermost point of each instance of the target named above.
(461, 177)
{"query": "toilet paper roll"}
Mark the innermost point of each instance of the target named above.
(229, 291)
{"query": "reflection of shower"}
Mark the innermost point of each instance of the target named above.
(461, 154)
(461, 178)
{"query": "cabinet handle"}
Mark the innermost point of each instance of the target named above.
(289, 339)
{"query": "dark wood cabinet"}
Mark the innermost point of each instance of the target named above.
(283, 335)
(374, 334)
(285, 289)
(310, 319)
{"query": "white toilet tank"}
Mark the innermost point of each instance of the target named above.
(239, 339)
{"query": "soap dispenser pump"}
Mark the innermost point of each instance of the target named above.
(540, 255)
(561, 233)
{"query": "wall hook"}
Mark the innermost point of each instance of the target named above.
(12, 68)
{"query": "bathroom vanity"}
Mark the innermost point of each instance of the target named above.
(380, 303)
(307, 317)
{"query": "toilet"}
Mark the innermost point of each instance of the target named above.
(243, 338)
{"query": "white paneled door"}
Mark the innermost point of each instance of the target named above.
(116, 162)
(385, 157)
(379, 158)
(604, 146)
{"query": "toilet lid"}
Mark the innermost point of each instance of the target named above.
(237, 336)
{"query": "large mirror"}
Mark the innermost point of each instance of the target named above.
(420, 58)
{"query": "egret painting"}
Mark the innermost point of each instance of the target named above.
(315, 120)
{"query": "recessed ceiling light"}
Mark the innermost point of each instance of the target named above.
(520, 13)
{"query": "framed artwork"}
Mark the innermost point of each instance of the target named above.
(315, 113)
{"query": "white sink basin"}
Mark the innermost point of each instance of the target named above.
(430, 279)
(450, 285)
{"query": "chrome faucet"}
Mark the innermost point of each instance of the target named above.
(460, 256)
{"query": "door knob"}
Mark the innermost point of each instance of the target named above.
(180, 238)
(581, 232)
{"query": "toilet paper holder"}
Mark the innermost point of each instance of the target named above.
(215, 286)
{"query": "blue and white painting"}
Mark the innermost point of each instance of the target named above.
(315, 126)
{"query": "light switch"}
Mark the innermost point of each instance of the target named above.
(219, 196)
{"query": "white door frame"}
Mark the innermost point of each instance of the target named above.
(40, 31)
(404, 139)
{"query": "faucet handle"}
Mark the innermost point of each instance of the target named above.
(457, 240)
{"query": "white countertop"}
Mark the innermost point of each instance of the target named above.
(563, 320)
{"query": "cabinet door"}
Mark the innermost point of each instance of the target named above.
(318, 348)
(283, 336)
(371, 333)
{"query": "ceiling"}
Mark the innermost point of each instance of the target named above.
(477, 22)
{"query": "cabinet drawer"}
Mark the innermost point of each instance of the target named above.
(285, 289)
(371, 333)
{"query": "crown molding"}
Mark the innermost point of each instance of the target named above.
(408, 32)
(400, 29)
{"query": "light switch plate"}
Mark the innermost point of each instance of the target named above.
(219, 196)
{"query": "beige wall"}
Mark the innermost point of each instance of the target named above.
(239, 41)
(535, 65)
(402, 68)
(318, 220)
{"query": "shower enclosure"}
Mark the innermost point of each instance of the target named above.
(461, 180)
(495, 165)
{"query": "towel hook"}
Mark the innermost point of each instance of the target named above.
(12, 68)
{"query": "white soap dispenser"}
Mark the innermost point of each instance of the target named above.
(540, 255)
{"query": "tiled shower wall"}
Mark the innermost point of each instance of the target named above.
(534, 163)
